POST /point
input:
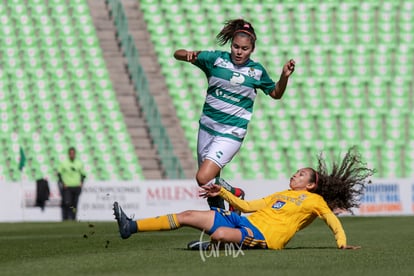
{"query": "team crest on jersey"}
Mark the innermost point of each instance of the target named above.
(219, 92)
(278, 204)
(237, 79)
(251, 72)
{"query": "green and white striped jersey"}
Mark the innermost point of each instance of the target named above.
(231, 93)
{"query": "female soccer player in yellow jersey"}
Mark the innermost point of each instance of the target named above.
(274, 219)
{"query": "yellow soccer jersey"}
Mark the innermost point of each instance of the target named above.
(280, 215)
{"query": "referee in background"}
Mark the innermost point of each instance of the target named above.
(71, 176)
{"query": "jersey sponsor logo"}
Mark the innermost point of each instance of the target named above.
(296, 200)
(278, 204)
(222, 63)
(302, 197)
(237, 79)
(220, 93)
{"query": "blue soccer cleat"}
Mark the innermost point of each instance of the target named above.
(123, 221)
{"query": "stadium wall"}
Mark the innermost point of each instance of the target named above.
(156, 197)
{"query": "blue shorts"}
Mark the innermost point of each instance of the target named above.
(251, 236)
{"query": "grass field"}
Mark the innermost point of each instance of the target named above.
(81, 248)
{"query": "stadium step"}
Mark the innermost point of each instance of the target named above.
(125, 93)
(158, 87)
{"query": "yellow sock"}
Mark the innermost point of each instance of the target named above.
(167, 222)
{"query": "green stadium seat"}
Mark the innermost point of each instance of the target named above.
(305, 124)
(366, 33)
(395, 125)
(297, 157)
(372, 124)
(408, 36)
(339, 61)
(319, 64)
(323, 27)
(324, 33)
(13, 63)
(327, 124)
(391, 159)
(333, 93)
(350, 132)
(3, 10)
(382, 60)
(387, 33)
(5, 20)
(343, 32)
(79, 7)
(18, 9)
(400, 98)
(7, 31)
(277, 170)
(369, 152)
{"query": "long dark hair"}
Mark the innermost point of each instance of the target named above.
(235, 27)
(342, 187)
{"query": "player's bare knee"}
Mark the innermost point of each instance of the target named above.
(203, 179)
(184, 217)
(219, 234)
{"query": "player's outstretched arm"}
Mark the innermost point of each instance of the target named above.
(336, 227)
(212, 190)
(185, 55)
(280, 88)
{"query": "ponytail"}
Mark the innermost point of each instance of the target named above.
(232, 28)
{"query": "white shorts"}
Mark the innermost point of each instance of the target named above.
(220, 150)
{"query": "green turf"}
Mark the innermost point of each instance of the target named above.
(80, 248)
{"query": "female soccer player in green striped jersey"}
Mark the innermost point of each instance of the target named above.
(233, 79)
(273, 220)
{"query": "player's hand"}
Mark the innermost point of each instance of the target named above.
(289, 68)
(351, 247)
(209, 190)
(192, 56)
